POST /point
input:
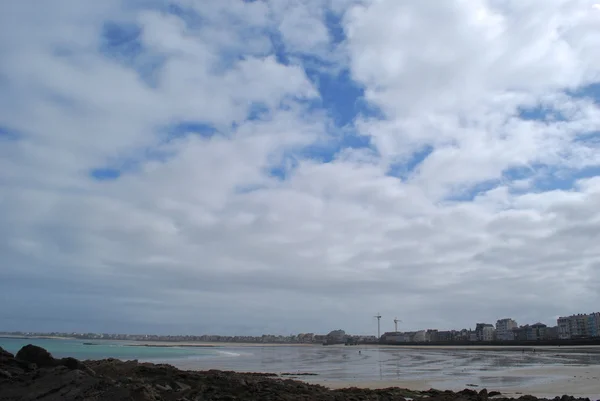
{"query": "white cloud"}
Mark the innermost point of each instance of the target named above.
(202, 235)
(303, 28)
(458, 54)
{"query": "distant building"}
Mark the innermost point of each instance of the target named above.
(536, 332)
(520, 333)
(593, 324)
(488, 333)
(432, 335)
(578, 326)
(445, 336)
(462, 335)
(420, 336)
(360, 339)
(319, 338)
(504, 329)
(552, 333)
(393, 337)
(306, 337)
(336, 337)
(479, 329)
(564, 328)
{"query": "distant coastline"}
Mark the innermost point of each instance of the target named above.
(191, 344)
(38, 337)
(165, 343)
(168, 345)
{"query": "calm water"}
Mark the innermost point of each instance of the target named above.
(108, 349)
(447, 367)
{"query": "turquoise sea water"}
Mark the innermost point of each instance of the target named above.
(108, 349)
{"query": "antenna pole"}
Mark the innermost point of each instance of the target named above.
(378, 316)
(396, 323)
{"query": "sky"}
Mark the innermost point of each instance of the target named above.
(285, 166)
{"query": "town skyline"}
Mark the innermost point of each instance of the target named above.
(581, 325)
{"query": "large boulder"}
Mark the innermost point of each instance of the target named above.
(74, 364)
(5, 355)
(34, 354)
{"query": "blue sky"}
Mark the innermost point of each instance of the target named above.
(341, 98)
(271, 160)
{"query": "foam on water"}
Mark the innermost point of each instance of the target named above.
(228, 353)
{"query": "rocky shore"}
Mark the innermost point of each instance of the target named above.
(33, 374)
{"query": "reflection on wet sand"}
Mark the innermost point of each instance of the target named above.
(508, 369)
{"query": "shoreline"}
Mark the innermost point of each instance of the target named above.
(595, 347)
(36, 337)
(188, 344)
(542, 381)
(166, 345)
(145, 343)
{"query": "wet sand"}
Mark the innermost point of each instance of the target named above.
(547, 372)
(540, 381)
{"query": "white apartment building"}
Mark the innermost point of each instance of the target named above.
(488, 333)
(575, 326)
(594, 324)
(420, 336)
(504, 329)
(564, 328)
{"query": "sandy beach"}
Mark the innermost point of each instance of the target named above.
(580, 381)
(527, 348)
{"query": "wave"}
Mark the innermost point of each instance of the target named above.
(228, 353)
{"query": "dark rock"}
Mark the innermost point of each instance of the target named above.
(34, 354)
(166, 387)
(528, 398)
(182, 386)
(468, 392)
(494, 393)
(72, 364)
(5, 355)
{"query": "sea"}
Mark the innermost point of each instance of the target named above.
(102, 349)
(447, 368)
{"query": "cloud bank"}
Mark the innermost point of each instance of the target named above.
(240, 167)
